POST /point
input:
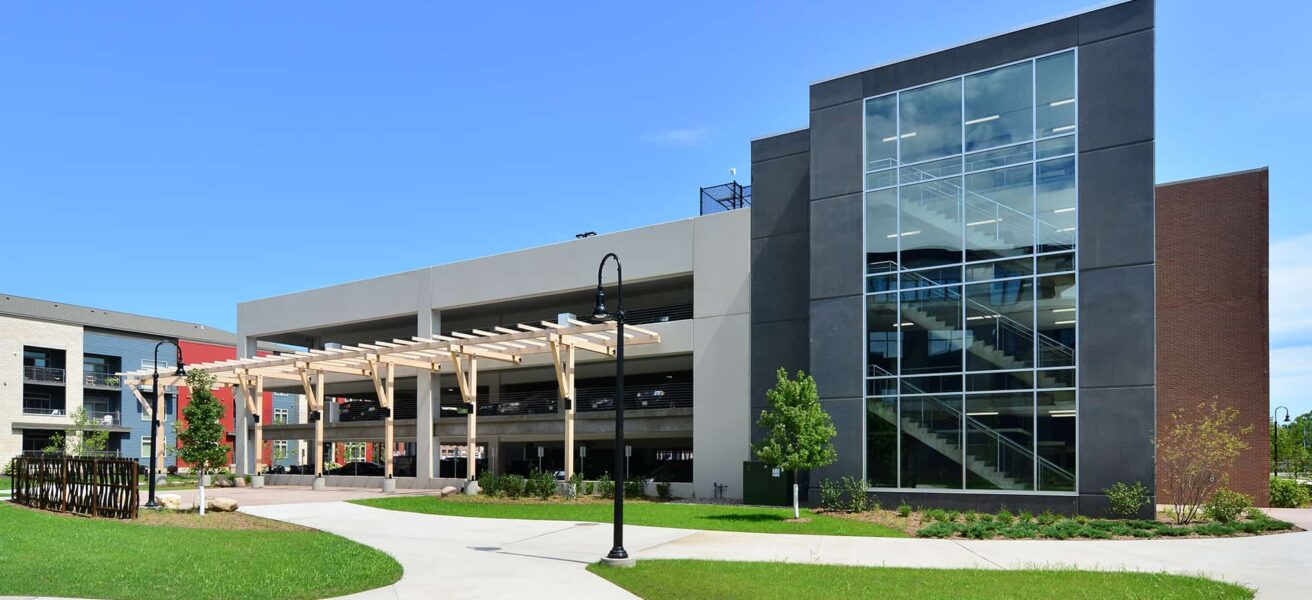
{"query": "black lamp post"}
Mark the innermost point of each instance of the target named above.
(617, 553)
(154, 415)
(1275, 418)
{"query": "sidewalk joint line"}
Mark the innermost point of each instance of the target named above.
(985, 558)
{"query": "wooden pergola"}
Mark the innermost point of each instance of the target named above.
(378, 362)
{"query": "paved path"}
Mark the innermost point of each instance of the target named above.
(284, 494)
(505, 558)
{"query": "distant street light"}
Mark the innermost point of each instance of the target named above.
(154, 415)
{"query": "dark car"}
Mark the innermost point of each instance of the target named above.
(359, 468)
(360, 411)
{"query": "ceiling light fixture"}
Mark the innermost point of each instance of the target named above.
(1061, 102)
(983, 119)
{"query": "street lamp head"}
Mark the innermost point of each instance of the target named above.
(599, 311)
(1286, 416)
(182, 370)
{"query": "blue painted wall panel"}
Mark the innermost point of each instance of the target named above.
(135, 353)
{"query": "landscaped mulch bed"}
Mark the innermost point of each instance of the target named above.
(1005, 525)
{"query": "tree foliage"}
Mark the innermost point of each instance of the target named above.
(798, 431)
(85, 437)
(1294, 445)
(1197, 449)
(201, 441)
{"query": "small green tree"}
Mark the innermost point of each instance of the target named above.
(1194, 453)
(798, 431)
(201, 441)
(85, 437)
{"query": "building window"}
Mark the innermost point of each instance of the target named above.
(353, 451)
(145, 447)
(280, 450)
(280, 416)
(971, 290)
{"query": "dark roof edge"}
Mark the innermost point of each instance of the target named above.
(973, 40)
(1216, 176)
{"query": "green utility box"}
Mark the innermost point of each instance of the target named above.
(765, 486)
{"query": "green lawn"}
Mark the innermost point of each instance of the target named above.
(47, 554)
(728, 580)
(5, 483)
(653, 514)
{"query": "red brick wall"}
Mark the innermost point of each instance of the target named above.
(1212, 336)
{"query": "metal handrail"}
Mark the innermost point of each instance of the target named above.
(945, 180)
(98, 379)
(44, 412)
(43, 374)
(1016, 326)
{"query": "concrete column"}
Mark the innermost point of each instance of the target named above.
(427, 395)
(240, 417)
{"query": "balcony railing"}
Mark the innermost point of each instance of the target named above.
(107, 381)
(590, 399)
(660, 314)
(43, 375)
(106, 418)
(44, 411)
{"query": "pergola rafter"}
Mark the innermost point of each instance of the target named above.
(376, 362)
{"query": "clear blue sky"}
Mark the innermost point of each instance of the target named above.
(173, 159)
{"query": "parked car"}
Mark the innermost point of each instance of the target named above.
(359, 468)
(359, 411)
(652, 399)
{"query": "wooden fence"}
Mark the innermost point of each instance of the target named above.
(96, 487)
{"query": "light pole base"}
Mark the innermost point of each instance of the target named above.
(318, 483)
(389, 486)
(619, 563)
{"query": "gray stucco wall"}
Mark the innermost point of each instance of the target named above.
(1116, 343)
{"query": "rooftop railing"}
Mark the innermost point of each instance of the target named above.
(725, 197)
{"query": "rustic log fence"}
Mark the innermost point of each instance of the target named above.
(95, 487)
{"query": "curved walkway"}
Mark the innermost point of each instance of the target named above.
(463, 557)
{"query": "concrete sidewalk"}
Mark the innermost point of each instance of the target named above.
(456, 557)
(480, 558)
(284, 494)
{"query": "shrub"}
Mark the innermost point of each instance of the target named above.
(1004, 516)
(540, 485)
(1047, 518)
(663, 490)
(1287, 493)
(831, 495)
(1195, 451)
(588, 488)
(635, 488)
(1226, 505)
(969, 516)
(986, 518)
(953, 515)
(9, 468)
(512, 486)
(937, 530)
(575, 486)
(1126, 500)
(1256, 514)
(904, 510)
(854, 488)
(1025, 516)
(489, 483)
(606, 486)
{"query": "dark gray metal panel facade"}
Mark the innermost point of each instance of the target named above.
(1117, 427)
(835, 151)
(836, 244)
(781, 195)
(836, 346)
(1116, 91)
(1117, 327)
(1117, 319)
(1116, 206)
(848, 442)
(780, 261)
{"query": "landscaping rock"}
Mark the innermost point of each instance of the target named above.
(447, 491)
(222, 482)
(221, 504)
(239, 482)
(169, 501)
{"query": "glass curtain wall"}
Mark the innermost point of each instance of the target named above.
(970, 217)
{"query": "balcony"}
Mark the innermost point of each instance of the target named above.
(44, 411)
(101, 381)
(107, 418)
(43, 375)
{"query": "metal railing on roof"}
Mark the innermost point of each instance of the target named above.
(725, 197)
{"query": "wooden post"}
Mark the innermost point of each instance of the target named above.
(468, 380)
(259, 423)
(388, 430)
(318, 425)
(562, 358)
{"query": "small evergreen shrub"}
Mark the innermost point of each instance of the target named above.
(904, 510)
(953, 516)
(540, 485)
(490, 484)
(635, 488)
(937, 530)
(1025, 516)
(606, 486)
(1126, 500)
(969, 516)
(1004, 517)
(1226, 505)
(1287, 493)
(663, 490)
(512, 486)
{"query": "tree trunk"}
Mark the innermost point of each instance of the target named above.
(797, 513)
(202, 494)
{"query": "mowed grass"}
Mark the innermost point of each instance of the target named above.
(693, 579)
(637, 512)
(46, 554)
